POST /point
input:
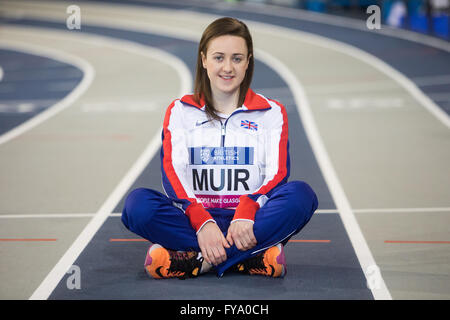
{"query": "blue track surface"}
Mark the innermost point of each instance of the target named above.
(30, 85)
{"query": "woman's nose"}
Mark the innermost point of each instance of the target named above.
(227, 66)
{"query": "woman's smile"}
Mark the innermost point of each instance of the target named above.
(226, 78)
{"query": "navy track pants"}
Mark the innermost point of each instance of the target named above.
(151, 215)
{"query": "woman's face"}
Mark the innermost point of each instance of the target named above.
(226, 62)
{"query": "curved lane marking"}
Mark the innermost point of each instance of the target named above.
(88, 77)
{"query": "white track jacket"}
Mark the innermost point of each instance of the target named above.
(234, 163)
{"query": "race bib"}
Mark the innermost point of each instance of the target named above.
(220, 175)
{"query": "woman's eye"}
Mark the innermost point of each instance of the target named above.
(221, 58)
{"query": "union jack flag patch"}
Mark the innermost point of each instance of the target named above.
(249, 125)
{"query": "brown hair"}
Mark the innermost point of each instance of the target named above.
(202, 88)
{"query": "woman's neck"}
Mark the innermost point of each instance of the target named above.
(226, 103)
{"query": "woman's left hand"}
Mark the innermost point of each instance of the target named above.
(241, 234)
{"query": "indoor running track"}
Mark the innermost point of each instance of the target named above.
(353, 122)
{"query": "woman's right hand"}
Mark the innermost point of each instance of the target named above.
(212, 243)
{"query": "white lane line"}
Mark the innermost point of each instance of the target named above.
(351, 225)
(319, 211)
(46, 215)
(374, 86)
(53, 215)
(57, 273)
(88, 76)
(90, 215)
(116, 214)
(432, 80)
(362, 86)
(403, 210)
(1, 73)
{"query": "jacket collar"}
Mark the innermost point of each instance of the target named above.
(252, 101)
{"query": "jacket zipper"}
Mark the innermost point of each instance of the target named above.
(222, 144)
(224, 125)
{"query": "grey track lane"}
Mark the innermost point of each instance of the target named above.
(27, 87)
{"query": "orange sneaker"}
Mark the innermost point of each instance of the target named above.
(271, 263)
(162, 263)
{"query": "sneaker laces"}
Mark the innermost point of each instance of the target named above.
(183, 264)
(255, 263)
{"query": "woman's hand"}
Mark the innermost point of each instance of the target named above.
(241, 234)
(212, 243)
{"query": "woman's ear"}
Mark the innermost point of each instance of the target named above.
(203, 60)
(248, 60)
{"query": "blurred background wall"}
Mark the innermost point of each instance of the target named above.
(429, 17)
